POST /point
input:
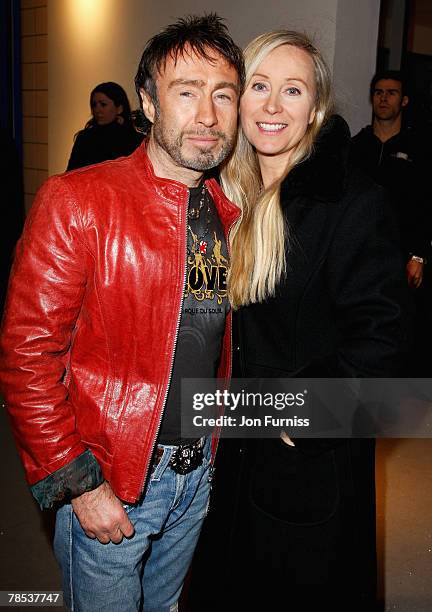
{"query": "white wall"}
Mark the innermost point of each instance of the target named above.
(91, 41)
(355, 59)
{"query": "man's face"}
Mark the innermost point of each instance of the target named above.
(195, 121)
(387, 99)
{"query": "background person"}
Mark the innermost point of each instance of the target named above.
(397, 157)
(110, 133)
(317, 278)
(394, 155)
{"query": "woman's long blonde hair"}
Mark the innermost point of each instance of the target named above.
(258, 240)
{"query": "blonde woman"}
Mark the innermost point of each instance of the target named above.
(317, 281)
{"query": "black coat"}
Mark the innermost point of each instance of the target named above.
(297, 525)
(102, 142)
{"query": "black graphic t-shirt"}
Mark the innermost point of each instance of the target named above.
(204, 307)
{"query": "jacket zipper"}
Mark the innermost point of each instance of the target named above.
(381, 154)
(173, 354)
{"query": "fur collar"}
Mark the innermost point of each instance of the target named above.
(323, 175)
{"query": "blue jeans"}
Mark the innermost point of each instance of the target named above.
(151, 566)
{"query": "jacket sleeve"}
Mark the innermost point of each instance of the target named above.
(368, 291)
(80, 475)
(46, 289)
(417, 195)
(370, 299)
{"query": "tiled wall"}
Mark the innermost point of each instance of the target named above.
(34, 49)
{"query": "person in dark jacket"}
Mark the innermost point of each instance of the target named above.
(110, 133)
(317, 279)
(395, 157)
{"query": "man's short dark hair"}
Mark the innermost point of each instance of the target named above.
(394, 75)
(199, 34)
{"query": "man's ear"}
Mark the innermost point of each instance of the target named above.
(148, 106)
(405, 101)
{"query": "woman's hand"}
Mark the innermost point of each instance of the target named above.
(285, 438)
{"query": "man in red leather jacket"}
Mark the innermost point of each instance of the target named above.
(100, 328)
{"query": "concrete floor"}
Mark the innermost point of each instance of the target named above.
(26, 559)
(404, 518)
(404, 489)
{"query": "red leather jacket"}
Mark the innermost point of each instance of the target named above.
(92, 317)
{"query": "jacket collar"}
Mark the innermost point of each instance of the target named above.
(404, 133)
(323, 175)
(176, 192)
(167, 189)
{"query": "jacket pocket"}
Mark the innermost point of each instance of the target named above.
(292, 487)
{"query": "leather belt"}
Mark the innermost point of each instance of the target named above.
(184, 459)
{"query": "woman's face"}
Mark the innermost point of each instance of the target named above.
(103, 109)
(278, 103)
